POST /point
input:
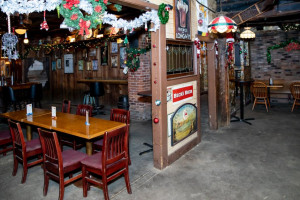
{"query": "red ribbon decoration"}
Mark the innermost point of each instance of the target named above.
(84, 27)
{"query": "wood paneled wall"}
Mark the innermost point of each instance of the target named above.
(65, 86)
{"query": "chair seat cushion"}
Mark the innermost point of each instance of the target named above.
(94, 161)
(71, 159)
(5, 135)
(99, 143)
(33, 145)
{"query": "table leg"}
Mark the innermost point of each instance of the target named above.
(29, 133)
(88, 148)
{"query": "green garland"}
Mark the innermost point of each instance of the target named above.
(74, 18)
(278, 46)
(133, 58)
(161, 10)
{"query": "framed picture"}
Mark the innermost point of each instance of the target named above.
(114, 47)
(182, 19)
(104, 55)
(80, 65)
(68, 63)
(122, 57)
(92, 52)
(58, 62)
(89, 66)
(114, 61)
(95, 65)
(53, 65)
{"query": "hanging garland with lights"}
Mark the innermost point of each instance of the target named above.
(294, 43)
(70, 10)
(25, 6)
(133, 57)
(163, 13)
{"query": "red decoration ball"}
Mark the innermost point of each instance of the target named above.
(155, 120)
(200, 21)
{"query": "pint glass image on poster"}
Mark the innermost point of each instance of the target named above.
(183, 122)
(182, 19)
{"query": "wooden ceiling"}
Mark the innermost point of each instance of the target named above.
(276, 12)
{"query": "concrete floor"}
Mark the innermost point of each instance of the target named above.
(241, 162)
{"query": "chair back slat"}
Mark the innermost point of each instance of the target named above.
(115, 145)
(66, 106)
(81, 109)
(50, 146)
(17, 135)
(295, 90)
(120, 115)
(259, 90)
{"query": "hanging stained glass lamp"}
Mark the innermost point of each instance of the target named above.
(222, 24)
(247, 34)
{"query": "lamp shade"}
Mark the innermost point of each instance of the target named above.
(247, 34)
(20, 31)
(222, 24)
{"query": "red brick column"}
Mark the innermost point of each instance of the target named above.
(138, 81)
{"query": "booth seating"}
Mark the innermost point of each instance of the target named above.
(96, 91)
(9, 99)
(36, 95)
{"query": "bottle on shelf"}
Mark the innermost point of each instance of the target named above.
(271, 81)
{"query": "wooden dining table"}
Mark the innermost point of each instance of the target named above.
(65, 123)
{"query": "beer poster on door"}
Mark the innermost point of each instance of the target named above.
(182, 19)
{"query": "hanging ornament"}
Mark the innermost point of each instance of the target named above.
(157, 102)
(146, 27)
(44, 24)
(200, 22)
(155, 120)
(9, 42)
(126, 40)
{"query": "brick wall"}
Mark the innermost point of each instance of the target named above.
(140, 80)
(284, 65)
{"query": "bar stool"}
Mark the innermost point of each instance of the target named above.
(9, 99)
(96, 91)
(36, 94)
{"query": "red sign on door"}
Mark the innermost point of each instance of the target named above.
(182, 93)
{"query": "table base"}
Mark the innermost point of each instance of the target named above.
(237, 119)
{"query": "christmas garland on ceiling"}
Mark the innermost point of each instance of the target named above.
(25, 6)
(278, 46)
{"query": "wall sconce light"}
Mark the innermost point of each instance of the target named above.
(119, 40)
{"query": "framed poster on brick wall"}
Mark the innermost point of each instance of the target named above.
(182, 19)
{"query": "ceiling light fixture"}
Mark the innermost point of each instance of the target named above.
(247, 34)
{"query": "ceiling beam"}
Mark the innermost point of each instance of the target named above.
(138, 4)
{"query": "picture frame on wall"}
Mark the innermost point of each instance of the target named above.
(80, 65)
(104, 55)
(58, 63)
(122, 57)
(68, 64)
(89, 66)
(95, 65)
(182, 19)
(53, 65)
(114, 61)
(92, 52)
(114, 47)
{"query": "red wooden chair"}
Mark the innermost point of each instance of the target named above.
(5, 140)
(118, 115)
(23, 151)
(110, 163)
(70, 140)
(57, 164)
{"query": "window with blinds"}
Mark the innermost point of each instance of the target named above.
(179, 58)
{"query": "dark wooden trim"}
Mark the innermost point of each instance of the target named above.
(171, 76)
(182, 79)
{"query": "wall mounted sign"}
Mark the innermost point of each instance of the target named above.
(183, 122)
(182, 19)
(68, 63)
(183, 93)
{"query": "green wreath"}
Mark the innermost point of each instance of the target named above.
(161, 10)
(74, 18)
(133, 58)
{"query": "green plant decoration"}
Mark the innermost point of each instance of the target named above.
(278, 46)
(161, 12)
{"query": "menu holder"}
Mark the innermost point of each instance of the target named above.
(87, 118)
(53, 109)
(29, 109)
